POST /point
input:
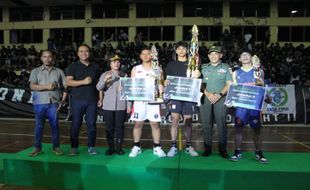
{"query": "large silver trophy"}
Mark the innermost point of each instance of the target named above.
(157, 75)
(193, 56)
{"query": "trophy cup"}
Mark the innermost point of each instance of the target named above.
(157, 75)
(193, 57)
(258, 72)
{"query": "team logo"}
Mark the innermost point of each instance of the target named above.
(221, 71)
(279, 96)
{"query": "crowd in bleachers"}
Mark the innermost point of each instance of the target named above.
(282, 64)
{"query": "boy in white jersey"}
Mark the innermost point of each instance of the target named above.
(142, 110)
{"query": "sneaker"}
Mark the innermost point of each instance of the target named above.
(190, 150)
(172, 152)
(58, 151)
(236, 157)
(159, 152)
(224, 154)
(260, 157)
(92, 151)
(208, 150)
(35, 152)
(73, 152)
(135, 151)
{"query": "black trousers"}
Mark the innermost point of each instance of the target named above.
(114, 125)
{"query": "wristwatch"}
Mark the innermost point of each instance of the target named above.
(221, 94)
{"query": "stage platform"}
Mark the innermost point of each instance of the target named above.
(148, 172)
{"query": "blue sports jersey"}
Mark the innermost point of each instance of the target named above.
(244, 77)
(246, 115)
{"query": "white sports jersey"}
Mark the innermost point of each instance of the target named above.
(143, 73)
(141, 109)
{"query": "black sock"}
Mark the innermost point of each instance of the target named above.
(137, 144)
(156, 145)
(188, 144)
(174, 144)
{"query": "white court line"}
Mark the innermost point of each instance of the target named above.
(294, 141)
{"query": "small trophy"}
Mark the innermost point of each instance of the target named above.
(193, 57)
(157, 75)
(258, 72)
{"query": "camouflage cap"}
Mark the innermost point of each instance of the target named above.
(217, 49)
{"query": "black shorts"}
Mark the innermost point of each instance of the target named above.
(182, 107)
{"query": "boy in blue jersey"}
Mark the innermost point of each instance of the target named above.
(248, 75)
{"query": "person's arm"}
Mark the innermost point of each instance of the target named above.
(133, 72)
(75, 83)
(42, 87)
(234, 77)
(101, 83)
(100, 101)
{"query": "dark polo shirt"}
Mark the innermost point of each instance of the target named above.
(79, 71)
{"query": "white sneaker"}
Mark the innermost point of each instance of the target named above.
(172, 152)
(190, 150)
(135, 151)
(159, 152)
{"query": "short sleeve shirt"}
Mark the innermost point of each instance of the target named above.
(41, 75)
(216, 77)
(79, 71)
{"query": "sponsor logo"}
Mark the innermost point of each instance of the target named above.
(279, 97)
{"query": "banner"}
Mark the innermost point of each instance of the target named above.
(17, 103)
(245, 96)
(282, 100)
(182, 88)
(140, 89)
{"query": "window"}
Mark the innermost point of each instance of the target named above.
(293, 34)
(0, 14)
(157, 33)
(67, 13)
(249, 9)
(206, 33)
(108, 33)
(110, 11)
(26, 36)
(26, 14)
(202, 9)
(65, 36)
(283, 34)
(145, 10)
(258, 32)
(293, 9)
(307, 31)
(1, 37)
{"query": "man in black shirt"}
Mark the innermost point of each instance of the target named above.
(178, 68)
(82, 77)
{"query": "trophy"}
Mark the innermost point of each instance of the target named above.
(193, 57)
(157, 75)
(258, 72)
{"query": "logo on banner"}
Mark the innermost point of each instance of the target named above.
(279, 97)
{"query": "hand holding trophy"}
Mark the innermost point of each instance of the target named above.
(158, 76)
(258, 72)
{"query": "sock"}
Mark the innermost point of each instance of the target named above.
(188, 144)
(137, 144)
(174, 144)
(156, 145)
